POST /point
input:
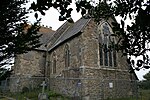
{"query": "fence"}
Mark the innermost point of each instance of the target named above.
(31, 86)
(95, 89)
(113, 89)
(76, 88)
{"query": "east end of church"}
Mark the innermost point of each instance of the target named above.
(78, 52)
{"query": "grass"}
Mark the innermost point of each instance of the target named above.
(144, 95)
(129, 98)
(33, 95)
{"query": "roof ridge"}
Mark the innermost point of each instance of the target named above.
(59, 32)
(74, 29)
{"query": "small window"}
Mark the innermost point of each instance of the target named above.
(67, 56)
(54, 65)
(48, 68)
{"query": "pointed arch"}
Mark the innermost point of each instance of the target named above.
(67, 56)
(54, 63)
(107, 55)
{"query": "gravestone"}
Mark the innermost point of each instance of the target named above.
(43, 96)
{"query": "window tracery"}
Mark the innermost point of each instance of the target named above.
(107, 54)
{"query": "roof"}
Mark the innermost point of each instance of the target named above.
(73, 30)
(46, 34)
(59, 32)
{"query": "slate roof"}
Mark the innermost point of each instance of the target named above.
(59, 32)
(73, 30)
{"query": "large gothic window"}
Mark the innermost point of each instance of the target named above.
(67, 56)
(106, 54)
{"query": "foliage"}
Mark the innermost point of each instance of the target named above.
(145, 84)
(4, 73)
(133, 40)
(147, 76)
(144, 95)
(16, 37)
(33, 95)
(127, 98)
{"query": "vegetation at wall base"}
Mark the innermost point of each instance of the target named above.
(33, 95)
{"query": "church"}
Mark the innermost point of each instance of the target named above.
(77, 58)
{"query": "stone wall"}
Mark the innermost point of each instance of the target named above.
(26, 66)
(84, 68)
(75, 58)
(84, 64)
(29, 64)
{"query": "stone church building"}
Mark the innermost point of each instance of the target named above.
(77, 55)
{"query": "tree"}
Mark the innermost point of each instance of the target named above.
(4, 73)
(133, 40)
(144, 84)
(16, 36)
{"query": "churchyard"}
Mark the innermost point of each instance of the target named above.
(42, 91)
(32, 95)
(50, 95)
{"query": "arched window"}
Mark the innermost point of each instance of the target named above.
(67, 56)
(48, 68)
(106, 53)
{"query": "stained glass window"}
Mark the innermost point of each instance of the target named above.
(107, 55)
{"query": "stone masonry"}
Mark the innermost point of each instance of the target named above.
(73, 53)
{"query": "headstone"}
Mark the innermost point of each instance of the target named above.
(43, 86)
(43, 96)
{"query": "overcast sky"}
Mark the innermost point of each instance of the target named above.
(51, 20)
(52, 16)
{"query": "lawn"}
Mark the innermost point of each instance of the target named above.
(33, 95)
(144, 95)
